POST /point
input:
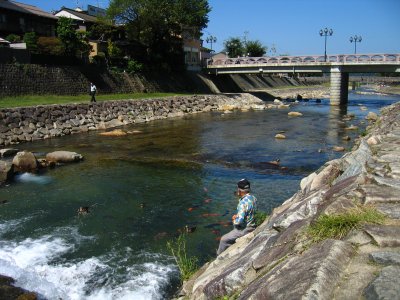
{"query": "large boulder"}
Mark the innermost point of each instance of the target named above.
(25, 161)
(63, 157)
(6, 171)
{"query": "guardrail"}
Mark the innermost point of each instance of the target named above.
(310, 59)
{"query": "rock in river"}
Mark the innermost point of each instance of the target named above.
(63, 157)
(294, 114)
(25, 161)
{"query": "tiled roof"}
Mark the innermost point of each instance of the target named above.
(81, 15)
(26, 9)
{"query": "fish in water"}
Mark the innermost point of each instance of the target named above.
(187, 229)
(225, 213)
(216, 231)
(142, 205)
(225, 223)
(210, 215)
(207, 201)
(190, 229)
(83, 210)
(3, 201)
(275, 162)
(212, 225)
(160, 235)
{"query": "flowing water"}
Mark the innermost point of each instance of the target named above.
(143, 189)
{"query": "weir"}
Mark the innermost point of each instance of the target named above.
(339, 67)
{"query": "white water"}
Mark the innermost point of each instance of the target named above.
(35, 264)
(29, 177)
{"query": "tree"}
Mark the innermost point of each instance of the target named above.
(234, 47)
(30, 39)
(72, 40)
(158, 25)
(255, 49)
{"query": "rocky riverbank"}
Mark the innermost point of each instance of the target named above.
(27, 124)
(282, 259)
(306, 92)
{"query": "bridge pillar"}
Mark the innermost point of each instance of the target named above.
(339, 87)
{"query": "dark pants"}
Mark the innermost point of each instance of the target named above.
(93, 99)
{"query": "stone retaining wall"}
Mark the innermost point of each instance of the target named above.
(29, 79)
(42, 122)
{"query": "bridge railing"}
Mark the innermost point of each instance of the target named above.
(311, 59)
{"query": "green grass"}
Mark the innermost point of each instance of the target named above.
(32, 100)
(339, 225)
(260, 217)
(187, 265)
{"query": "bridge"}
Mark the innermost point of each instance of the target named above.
(339, 67)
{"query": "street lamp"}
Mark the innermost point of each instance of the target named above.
(325, 32)
(355, 39)
(211, 39)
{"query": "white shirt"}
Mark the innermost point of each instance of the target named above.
(92, 88)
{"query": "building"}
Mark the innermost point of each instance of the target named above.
(19, 18)
(82, 19)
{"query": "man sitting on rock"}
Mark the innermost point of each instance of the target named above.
(243, 221)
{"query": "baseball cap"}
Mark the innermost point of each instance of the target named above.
(243, 184)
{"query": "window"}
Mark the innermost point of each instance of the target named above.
(3, 18)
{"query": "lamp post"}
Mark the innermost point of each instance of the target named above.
(211, 39)
(325, 32)
(355, 39)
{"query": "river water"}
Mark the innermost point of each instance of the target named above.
(143, 189)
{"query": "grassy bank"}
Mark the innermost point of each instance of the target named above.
(32, 100)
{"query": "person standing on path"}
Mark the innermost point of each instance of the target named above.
(93, 90)
(244, 220)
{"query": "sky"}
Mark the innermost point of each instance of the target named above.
(292, 26)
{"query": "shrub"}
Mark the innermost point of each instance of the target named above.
(13, 38)
(339, 225)
(260, 217)
(30, 39)
(50, 45)
(99, 59)
(134, 66)
(187, 265)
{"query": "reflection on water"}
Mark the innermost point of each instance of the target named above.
(143, 189)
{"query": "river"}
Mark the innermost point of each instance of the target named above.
(142, 189)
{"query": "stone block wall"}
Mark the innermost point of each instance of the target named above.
(30, 79)
(18, 79)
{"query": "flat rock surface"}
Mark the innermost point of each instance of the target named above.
(386, 258)
(313, 274)
(385, 286)
(384, 235)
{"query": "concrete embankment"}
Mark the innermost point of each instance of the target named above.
(281, 259)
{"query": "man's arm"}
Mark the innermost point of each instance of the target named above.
(241, 213)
